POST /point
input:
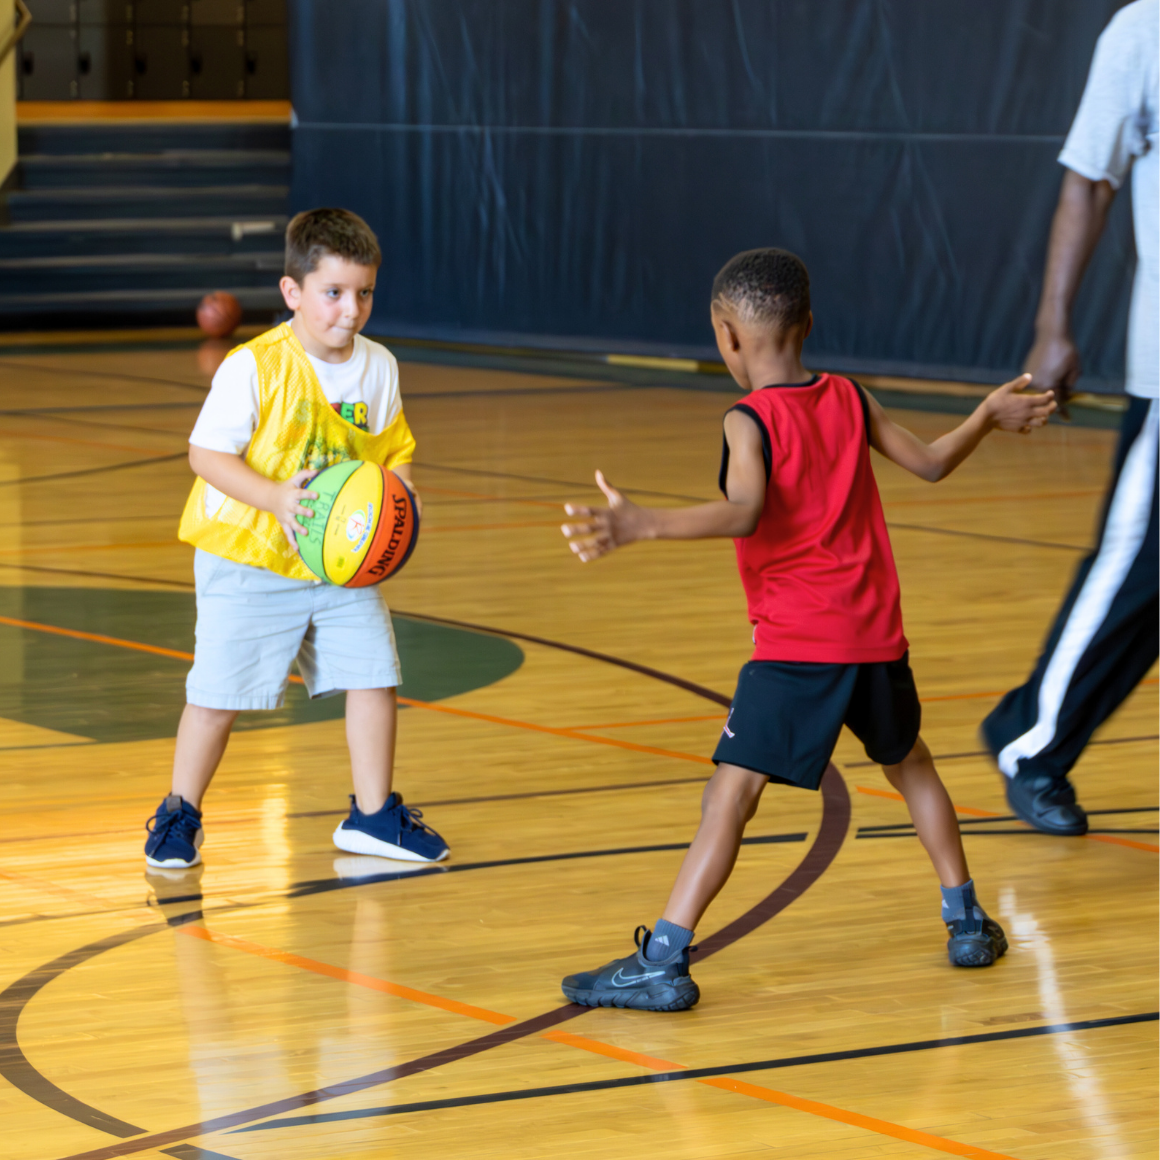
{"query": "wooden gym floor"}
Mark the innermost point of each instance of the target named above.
(286, 1001)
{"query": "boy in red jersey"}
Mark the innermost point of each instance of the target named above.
(812, 547)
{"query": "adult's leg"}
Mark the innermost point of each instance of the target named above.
(728, 802)
(1103, 642)
(932, 812)
(371, 717)
(202, 737)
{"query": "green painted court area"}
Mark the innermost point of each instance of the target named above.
(108, 692)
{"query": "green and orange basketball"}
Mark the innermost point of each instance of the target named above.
(365, 524)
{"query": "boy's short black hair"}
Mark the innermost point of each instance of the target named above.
(766, 287)
(314, 233)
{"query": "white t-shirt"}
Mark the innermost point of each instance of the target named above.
(1115, 130)
(365, 389)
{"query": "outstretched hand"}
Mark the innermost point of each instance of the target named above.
(600, 530)
(1011, 410)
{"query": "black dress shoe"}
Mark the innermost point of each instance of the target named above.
(1047, 803)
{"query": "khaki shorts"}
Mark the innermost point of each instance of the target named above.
(252, 624)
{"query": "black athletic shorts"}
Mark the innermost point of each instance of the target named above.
(786, 716)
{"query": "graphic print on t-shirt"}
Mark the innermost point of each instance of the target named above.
(353, 413)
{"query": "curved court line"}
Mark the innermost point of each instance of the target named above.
(830, 836)
(15, 1066)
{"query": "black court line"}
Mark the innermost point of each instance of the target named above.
(117, 376)
(695, 1073)
(95, 470)
(985, 536)
(1026, 832)
(186, 584)
(101, 407)
(632, 666)
(326, 885)
(504, 797)
(1004, 818)
(986, 753)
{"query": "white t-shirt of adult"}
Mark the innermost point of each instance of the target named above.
(229, 416)
(1115, 130)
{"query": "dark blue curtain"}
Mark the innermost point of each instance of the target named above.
(572, 175)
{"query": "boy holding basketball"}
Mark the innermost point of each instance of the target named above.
(812, 547)
(298, 398)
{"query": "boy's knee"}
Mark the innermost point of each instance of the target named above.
(734, 789)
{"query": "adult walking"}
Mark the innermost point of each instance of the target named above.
(1105, 635)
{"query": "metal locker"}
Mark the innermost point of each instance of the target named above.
(48, 63)
(267, 64)
(216, 63)
(105, 69)
(161, 62)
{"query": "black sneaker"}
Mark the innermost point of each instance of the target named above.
(637, 982)
(175, 835)
(1047, 803)
(975, 942)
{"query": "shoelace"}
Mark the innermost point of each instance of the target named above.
(412, 819)
(160, 825)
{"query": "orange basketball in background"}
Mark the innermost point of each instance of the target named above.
(219, 313)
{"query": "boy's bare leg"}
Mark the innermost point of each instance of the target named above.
(934, 817)
(201, 741)
(729, 801)
(371, 716)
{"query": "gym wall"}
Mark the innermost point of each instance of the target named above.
(572, 174)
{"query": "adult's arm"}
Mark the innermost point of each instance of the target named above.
(1053, 360)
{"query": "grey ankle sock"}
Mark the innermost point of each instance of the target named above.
(667, 939)
(956, 899)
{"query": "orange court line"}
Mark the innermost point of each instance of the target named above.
(583, 1043)
(345, 976)
(1108, 839)
(611, 1052)
(658, 721)
(855, 1119)
(572, 733)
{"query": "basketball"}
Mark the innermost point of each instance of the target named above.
(365, 524)
(218, 314)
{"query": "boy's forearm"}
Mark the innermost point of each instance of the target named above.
(232, 476)
(949, 450)
(721, 518)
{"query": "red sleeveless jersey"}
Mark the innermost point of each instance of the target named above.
(818, 571)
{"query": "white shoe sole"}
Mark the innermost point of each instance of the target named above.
(356, 842)
(177, 863)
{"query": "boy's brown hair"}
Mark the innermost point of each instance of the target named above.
(314, 233)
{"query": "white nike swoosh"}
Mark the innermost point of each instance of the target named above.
(620, 979)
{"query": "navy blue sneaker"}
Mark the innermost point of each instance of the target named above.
(175, 834)
(394, 832)
(974, 941)
(635, 981)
